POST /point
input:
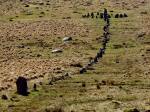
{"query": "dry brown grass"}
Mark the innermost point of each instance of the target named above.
(118, 82)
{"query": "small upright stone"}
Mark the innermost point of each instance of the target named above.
(117, 16)
(88, 15)
(98, 86)
(22, 87)
(35, 87)
(4, 97)
(97, 13)
(125, 15)
(121, 15)
(92, 15)
(83, 84)
(101, 15)
(82, 70)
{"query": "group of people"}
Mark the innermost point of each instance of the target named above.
(101, 51)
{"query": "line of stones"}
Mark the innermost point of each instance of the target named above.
(101, 15)
(21, 83)
(101, 51)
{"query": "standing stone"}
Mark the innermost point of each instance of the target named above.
(117, 16)
(22, 87)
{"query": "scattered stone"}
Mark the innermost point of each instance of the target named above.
(67, 17)
(21, 46)
(147, 111)
(43, 13)
(40, 83)
(101, 15)
(132, 110)
(103, 82)
(56, 109)
(83, 84)
(35, 87)
(102, 1)
(145, 12)
(92, 15)
(115, 104)
(117, 16)
(82, 70)
(141, 34)
(26, 5)
(22, 87)
(83, 16)
(117, 46)
(57, 50)
(125, 15)
(67, 39)
(109, 16)
(98, 86)
(76, 65)
(50, 82)
(4, 97)
(67, 75)
(117, 60)
(88, 15)
(9, 106)
(121, 15)
(109, 97)
(11, 19)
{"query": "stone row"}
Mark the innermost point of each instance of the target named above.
(106, 39)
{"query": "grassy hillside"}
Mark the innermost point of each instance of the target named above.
(30, 30)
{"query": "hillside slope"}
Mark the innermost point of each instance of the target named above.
(119, 82)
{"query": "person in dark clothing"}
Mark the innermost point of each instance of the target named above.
(105, 15)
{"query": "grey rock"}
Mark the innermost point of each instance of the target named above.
(67, 39)
(57, 50)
